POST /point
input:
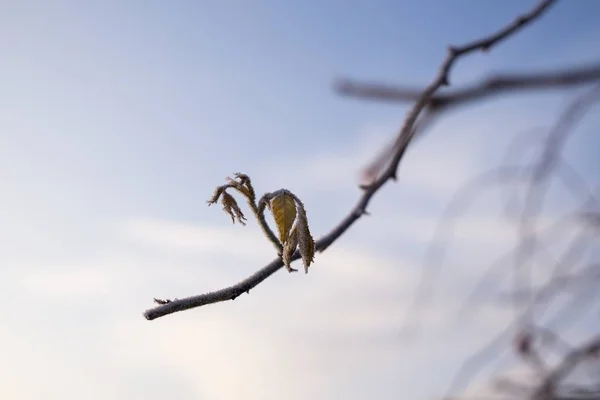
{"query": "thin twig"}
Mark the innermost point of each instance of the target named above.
(405, 137)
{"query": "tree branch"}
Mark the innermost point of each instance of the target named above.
(490, 87)
(405, 136)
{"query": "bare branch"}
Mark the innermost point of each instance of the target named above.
(490, 87)
(405, 136)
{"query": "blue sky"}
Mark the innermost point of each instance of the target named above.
(117, 120)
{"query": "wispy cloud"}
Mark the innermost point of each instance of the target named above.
(295, 335)
(76, 281)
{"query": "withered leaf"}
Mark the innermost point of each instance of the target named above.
(306, 243)
(215, 197)
(231, 207)
(240, 188)
(245, 180)
(283, 208)
(288, 249)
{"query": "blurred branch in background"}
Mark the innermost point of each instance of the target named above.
(546, 308)
(570, 289)
(495, 85)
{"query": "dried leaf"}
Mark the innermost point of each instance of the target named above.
(289, 248)
(306, 243)
(242, 177)
(245, 180)
(283, 208)
(215, 197)
(231, 207)
(239, 187)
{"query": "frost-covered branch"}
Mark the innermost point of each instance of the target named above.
(388, 172)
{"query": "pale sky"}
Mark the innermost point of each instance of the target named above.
(118, 119)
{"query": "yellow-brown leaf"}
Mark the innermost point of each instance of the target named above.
(283, 208)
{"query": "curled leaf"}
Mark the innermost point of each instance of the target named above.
(283, 208)
(231, 207)
(215, 197)
(245, 181)
(306, 243)
(289, 248)
(240, 188)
